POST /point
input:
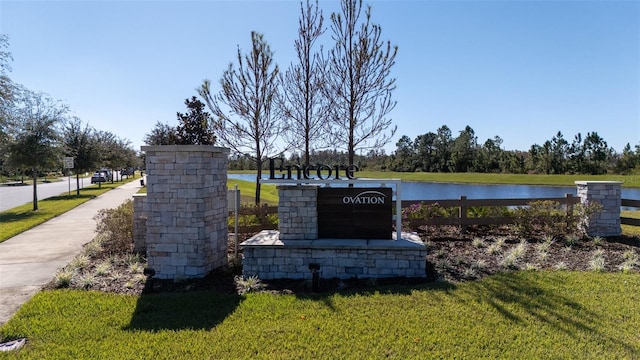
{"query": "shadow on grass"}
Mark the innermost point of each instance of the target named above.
(520, 297)
(68, 197)
(200, 310)
(201, 303)
(327, 288)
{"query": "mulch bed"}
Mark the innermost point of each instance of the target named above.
(452, 256)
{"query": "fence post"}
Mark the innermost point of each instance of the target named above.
(462, 214)
(606, 221)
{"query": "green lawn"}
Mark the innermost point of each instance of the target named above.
(268, 193)
(482, 178)
(629, 229)
(515, 179)
(524, 315)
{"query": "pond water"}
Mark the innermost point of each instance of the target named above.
(443, 191)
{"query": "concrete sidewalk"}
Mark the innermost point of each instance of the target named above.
(31, 259)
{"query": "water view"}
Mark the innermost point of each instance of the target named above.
(441, 191)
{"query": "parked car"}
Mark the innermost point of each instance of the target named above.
(98, 177)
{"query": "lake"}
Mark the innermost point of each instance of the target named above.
(442, 191)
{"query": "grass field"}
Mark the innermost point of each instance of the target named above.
(483, 178)
(512, 179)
(524, 315)
(268, 193)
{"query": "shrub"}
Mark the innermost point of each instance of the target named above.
(478, 242)
(416, 214)
(513, 256)
(597, 262)
(103, 268)
(546, 216)
(469, 273)
(79, 262)
(252, 216)
(597, 240)
(488, 211)
(552, 218)
(249, 284)
(116, 225)
(63, 278)
(94, 247)
(571, 239)
(630, 261)
(561, 266)
(479, 264)
(87, 281)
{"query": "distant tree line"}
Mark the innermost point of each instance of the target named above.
(37, 132)
(441, 152)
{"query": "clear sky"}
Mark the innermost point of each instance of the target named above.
(521, 70)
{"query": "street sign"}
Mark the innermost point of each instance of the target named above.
(68, 163)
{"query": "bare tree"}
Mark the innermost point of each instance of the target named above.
(359, 80)
(246, 119)
(302, 101)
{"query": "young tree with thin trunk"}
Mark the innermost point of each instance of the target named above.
(358, 80)
(81, 144)
(246, 118)
(303, 103)
(37, 145)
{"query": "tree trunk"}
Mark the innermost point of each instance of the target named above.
(78, 184)
(258, 178)
(35, 189)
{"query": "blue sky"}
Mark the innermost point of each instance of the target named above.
(522, 70)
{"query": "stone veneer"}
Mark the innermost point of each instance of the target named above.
(186, 234)
(140, 212)
(297, 212)
(605, 222)
(267, 256)
(288, 253)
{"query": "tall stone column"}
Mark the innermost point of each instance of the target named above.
(186, 207)
(140, 223)
(606, 221)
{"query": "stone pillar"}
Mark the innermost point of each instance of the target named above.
(298, 212)
(187, 210)
(605, 222)
(140, 223)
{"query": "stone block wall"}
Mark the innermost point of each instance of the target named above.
(140, 223)
(268, 257)
(605, 222)
(186, 234)
(298, 212)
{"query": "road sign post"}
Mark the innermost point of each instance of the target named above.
(68, 164)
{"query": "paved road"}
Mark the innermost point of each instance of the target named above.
(31, 259)
(12, 196)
